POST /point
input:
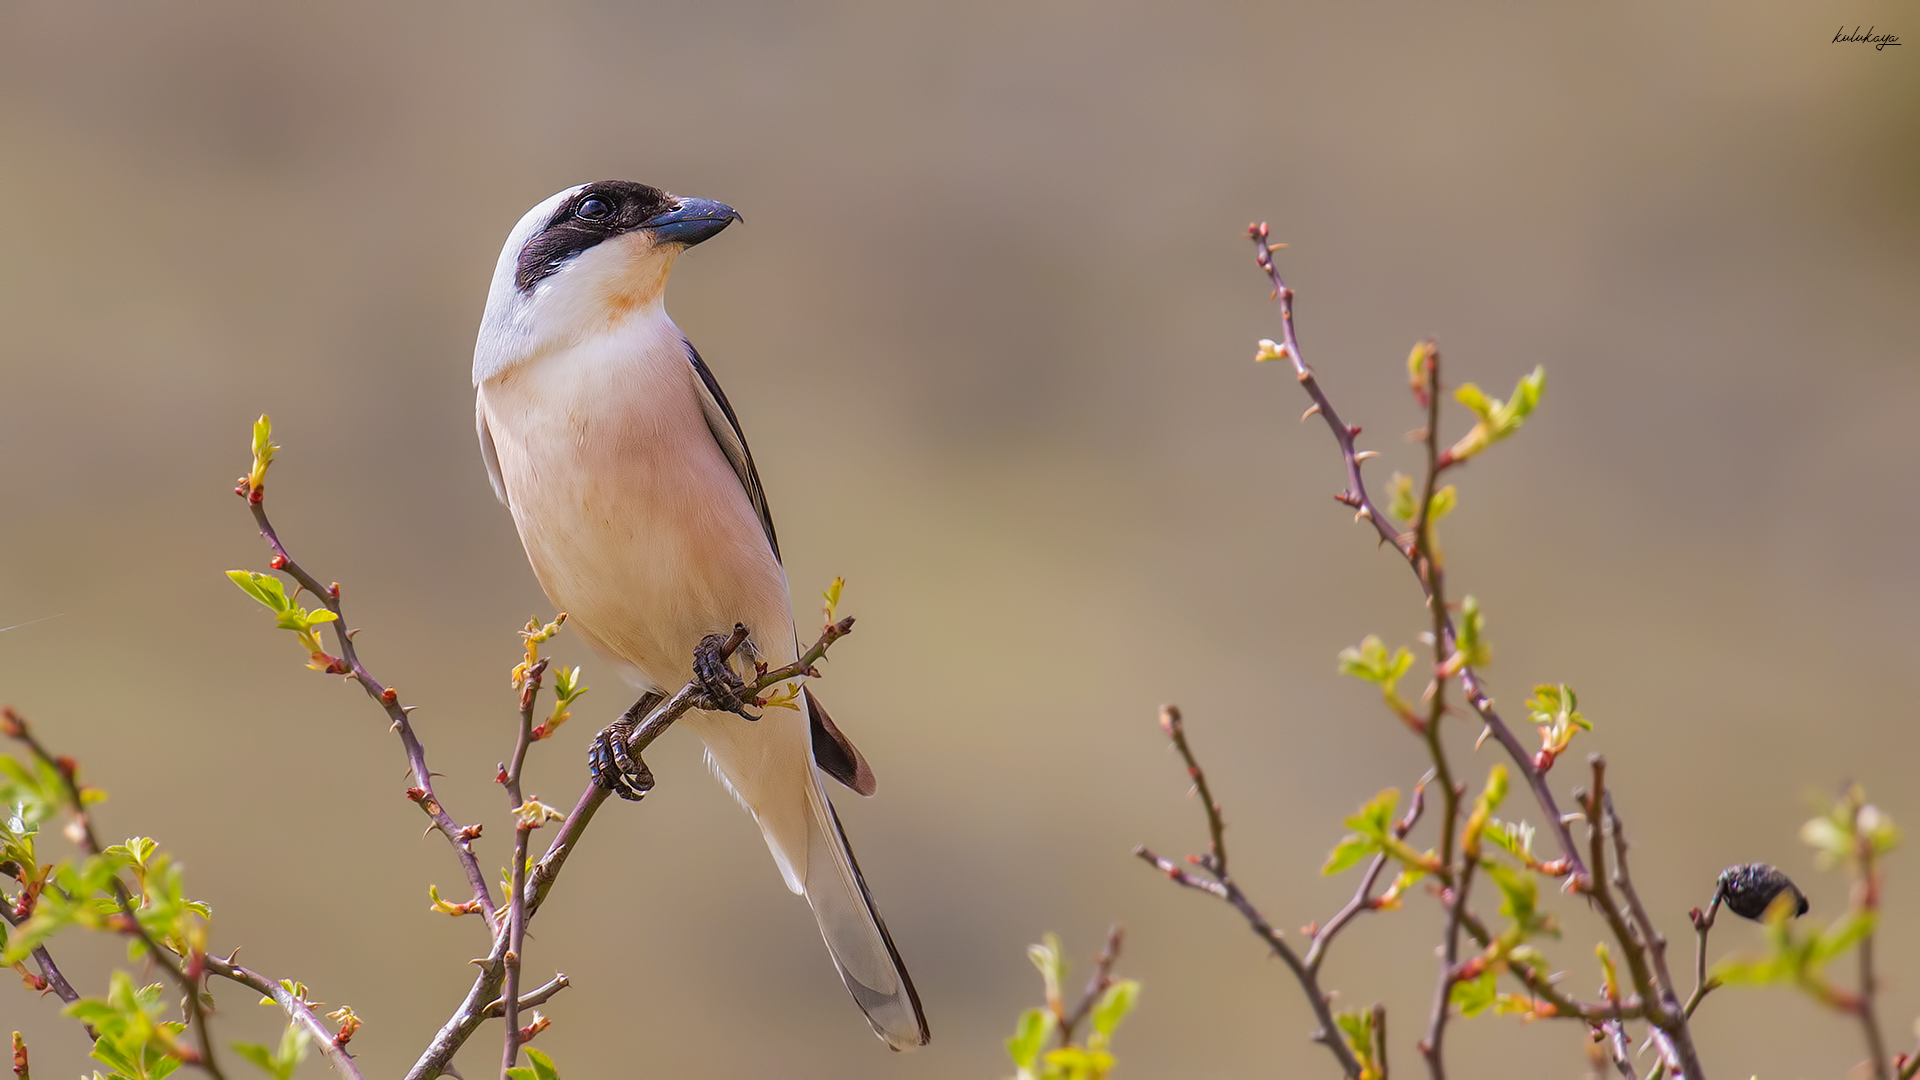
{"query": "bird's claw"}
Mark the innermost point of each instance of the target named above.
(723, 689)
(613, 767)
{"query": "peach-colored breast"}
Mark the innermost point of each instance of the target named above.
(634, 521)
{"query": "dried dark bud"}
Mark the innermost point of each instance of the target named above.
(1749, 890)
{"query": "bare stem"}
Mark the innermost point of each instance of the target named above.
(297, 1009)
(517, 896)
(1221, 884)
(1096, 986)
(480, 1001)
(388, 699)
(49, 971)
(539, 995)
(1363, 899)
(1364, 509)
(178, 968)
(1432, 1047)
(1866, 898)
(1702, 926)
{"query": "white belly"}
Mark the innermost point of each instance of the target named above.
(634, 521)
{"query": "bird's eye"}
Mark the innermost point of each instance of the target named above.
(594, 208)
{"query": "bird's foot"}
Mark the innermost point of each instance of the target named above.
(612, 765)
(723, 689)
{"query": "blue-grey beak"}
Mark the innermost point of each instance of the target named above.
(691, 222)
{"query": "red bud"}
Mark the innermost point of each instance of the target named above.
(278, 562)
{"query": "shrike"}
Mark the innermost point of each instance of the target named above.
(639, 507)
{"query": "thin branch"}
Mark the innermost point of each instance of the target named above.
(1223, 886)
(386, 696)
(1541, 985)
(49, 971)
(1431, 1047)
(1096, 986)
(1674, 1022)
(539, 881)
(1619, 1048)
(1380, 1038)
(1645, 959)
(298, 1012)
(1655, 941)
(1363, 899)
(517, 893)
(1356, 496)
(1171, 723)
(1866, 890)
(539, 995)
(1702, 926)
(184, 973)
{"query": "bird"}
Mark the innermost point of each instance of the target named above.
(637, 501)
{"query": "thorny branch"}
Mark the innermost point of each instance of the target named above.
(480, 1001)
(1364, 509)
(14, 725)
(495, 991)
(184, 971)
(1866, 898)
(1221, 884)
(1654, 999)
(297, 1009)
(1096, 986)
(517, 897)
(1644, 947)
(349, 664)
(1363, 898)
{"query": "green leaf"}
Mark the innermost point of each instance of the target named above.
(1519, 899)
(1513, 837)
(1470, 645)
(1474, 996)
(1401, 500)
(1356, 1029)
(1114, 1006)
(1052, 962)
(262, 587)
(1350, 852)
(1844, 934)
(542, 1065)
(1476, 399)
(1497, 419)
(1028, 1035)
(1371, 662)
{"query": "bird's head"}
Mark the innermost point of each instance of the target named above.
(585, 261)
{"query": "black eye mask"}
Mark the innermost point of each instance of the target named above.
(567, 234)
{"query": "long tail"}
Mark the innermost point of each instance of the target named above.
(770, 768)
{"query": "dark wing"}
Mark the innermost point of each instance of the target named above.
(726, 431)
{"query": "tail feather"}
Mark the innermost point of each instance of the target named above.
(857, 936)
(769, 767)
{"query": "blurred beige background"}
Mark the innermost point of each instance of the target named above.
(989, 327)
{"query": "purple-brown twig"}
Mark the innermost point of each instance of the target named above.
(480, 1002)
(387, 697)
(185, 971)
(1364, 509)
(1221, 884)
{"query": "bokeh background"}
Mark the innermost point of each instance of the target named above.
(989, 325)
